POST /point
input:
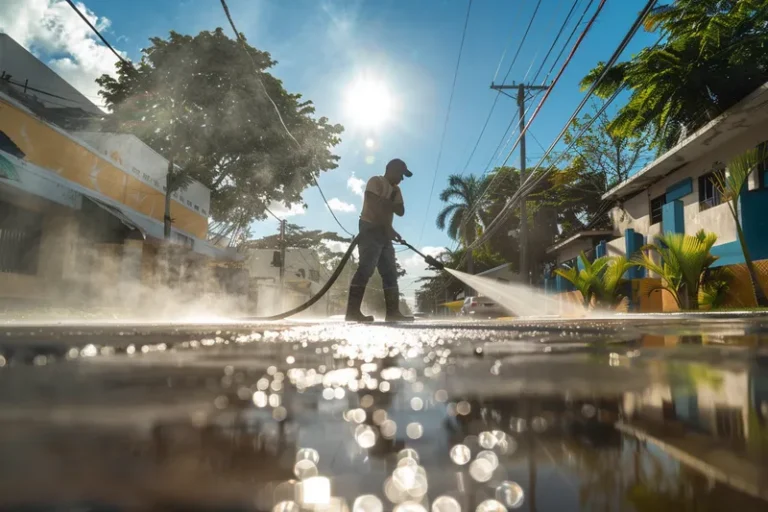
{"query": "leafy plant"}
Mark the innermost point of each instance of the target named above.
(599, 281)
(714, 288)
(684, 259)
(732, 184)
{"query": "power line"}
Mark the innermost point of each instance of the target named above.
(525, 187)
(490, 187)
(447, 117)
(95, 31)
(557, 38)
(240, 38)
(568, 41)
(496, 99)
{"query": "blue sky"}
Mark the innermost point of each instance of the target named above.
(411, 46)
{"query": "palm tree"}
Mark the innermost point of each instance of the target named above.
(731, 187)
(684, 260)
(715, 53)
(463, 217)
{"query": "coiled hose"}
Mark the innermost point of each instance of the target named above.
(318, 295)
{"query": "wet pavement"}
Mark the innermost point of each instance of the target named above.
(659, 413)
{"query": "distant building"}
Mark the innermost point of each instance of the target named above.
(74, 203)
(303, 278)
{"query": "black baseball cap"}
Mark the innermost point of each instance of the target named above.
(397, 165)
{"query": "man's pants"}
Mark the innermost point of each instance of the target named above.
(376, 251)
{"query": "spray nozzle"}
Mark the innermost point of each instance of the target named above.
(432, 262)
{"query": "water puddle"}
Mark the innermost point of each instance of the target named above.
(589, 415)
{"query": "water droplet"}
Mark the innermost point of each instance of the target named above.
(481, 470)
(365, 436)
(308, 454)
(414, 430)
(357, 415)
(304, 469)
(441, 395)
(410, 506)
(446, 504)
(384, 387)
(588, 410)
(490, 457)
(280, 413)
(539, 424)
(315, 490)
(463, 408)
(460, 454)
(517, 425)
(487, 440)
(290, 359)
(328, 393)
(510, 494)
(490, 506)
(408, 453)
(417, 403)
(388, 429)
(366, 401)
(379, 416)
(339, 393)
(367, 503)
(286, 506)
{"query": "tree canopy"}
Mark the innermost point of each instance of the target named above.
(715, 52)
(199, 101)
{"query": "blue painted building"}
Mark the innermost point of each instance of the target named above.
(677, 192)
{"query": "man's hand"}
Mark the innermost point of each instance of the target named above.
(394, 235)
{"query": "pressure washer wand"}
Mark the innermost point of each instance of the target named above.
(432, 262)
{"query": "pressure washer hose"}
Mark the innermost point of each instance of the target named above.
(336, 273)
(319, 294)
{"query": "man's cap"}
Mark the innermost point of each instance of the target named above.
(397, 165)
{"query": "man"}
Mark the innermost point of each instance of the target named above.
(382, 200)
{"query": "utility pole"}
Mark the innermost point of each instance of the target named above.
(282, 261)
(521, 91)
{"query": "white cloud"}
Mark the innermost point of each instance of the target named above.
(281, 210)
(415, 263)
(338, 205)
(356, 185)
(336, 246)
(52, 28)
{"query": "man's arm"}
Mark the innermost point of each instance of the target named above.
(398, 208)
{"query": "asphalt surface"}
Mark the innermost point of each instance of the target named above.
(435, 415)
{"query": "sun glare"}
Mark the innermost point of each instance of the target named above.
(369, 103)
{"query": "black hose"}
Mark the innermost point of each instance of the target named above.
(319, 294)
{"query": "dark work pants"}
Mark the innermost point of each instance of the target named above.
(376, 251)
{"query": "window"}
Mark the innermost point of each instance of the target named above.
(709, 189)
(314, 275)
(657, 207)
(762, 167)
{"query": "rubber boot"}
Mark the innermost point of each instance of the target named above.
(354, 302)
(392, 299)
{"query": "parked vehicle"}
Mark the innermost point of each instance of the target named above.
(482, 307)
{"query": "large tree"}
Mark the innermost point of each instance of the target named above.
(205, 103)
(714, 54)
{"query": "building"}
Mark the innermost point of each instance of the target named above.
(304, 276)
(677, 193)
(82, 210)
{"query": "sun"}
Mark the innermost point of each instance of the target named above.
(368, 103)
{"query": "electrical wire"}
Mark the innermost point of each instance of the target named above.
(490, 188)
(498, 94)
(240, 38)
(95, 31)
(568, 41)
(557, 38)
(447, 117)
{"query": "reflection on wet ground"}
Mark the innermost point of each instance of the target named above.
(589, 415)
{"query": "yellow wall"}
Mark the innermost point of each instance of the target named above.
(48, 148)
